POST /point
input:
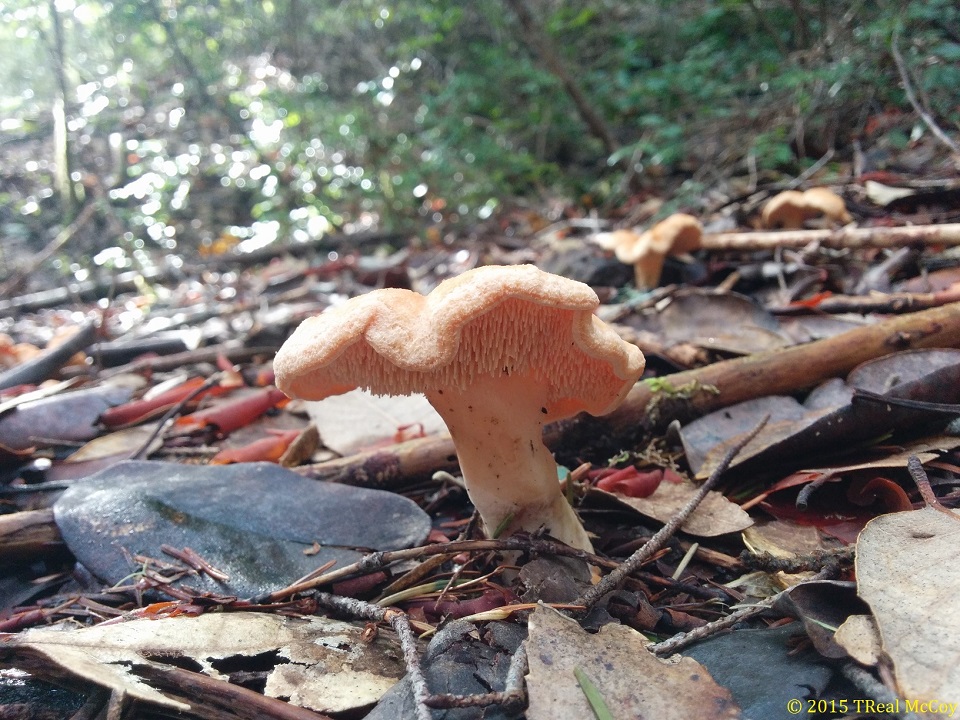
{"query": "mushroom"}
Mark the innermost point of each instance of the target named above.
(827, 203)
(678, 234)
(791, 208)
(499, 352)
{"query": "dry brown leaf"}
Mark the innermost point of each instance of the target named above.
(632, 681)
(715, 516)
(322, 664)
(859, 636)
(783, 538)
(908, 575)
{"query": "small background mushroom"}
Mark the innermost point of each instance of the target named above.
(791, 209)
(678, 234)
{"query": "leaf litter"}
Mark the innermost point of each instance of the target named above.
(195, 562)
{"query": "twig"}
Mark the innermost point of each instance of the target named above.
(652, 546)
(682, 640)
(408, 642)
(678, 642)
(511, 699)
(379, 560)
(845, 237)
(812, 170)
(919, 475)
(912, 96)
(869, 685)
(172, 412)
(194, 560)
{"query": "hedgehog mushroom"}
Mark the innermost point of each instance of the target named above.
(499, 352)
(678, 234)
(791, 209)
(825, 202)
(787, 210)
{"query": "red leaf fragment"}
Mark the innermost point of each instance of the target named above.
(865, 492)
(229, 416)
(268, 449)
(632, 482)
(140, 410)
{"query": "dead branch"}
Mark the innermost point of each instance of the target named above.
(912, 96)
(45, 365)
(775, 372)
(214, 698)
(877, 303)
(845, 237)
(29, 536)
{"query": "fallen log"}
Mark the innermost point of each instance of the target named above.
(651, 406)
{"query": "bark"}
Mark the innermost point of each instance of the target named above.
(61, 140)
(29, 536)
(45, 366)
(847, 237)
(694, 393)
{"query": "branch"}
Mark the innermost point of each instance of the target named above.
(912, 97)
(846, 237)
(534, 33)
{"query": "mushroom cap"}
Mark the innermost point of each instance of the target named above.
(823, 201)
(787, 210)
(680, 233)
(790, 209)
(614, 239)
(677, 234)
(488, 322)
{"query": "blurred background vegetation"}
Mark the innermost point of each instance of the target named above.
(203, 125)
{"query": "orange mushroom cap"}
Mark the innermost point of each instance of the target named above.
(791, 208)
(679, 233)
(498, 351)
(490, 321)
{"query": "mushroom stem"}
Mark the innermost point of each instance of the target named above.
(511, 477)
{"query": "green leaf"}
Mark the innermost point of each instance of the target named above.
(597, 703)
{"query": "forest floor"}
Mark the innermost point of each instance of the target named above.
(769, 509)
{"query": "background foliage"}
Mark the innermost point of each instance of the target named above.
(204, 124)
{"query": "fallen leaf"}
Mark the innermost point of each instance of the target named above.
(358, 419)
(68, 417)
(908, 575)
(828, 421)
(615, 660)
(764, 669)
(782, 538)
(859, 636)
(728, 322)
(715, 516)
(317, 663)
